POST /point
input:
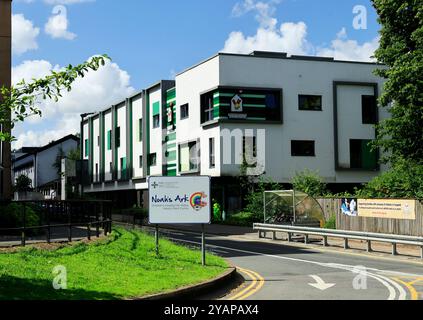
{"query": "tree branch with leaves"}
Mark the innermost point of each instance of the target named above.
(21, 100)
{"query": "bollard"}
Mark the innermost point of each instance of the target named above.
(306, 238)
(274, 235)
(289, 237)
(346, 246)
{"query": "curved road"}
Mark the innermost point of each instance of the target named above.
(274, 271)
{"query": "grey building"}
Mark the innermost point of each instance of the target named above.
(37, 163)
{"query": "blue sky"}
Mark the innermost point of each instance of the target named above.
(152, 40)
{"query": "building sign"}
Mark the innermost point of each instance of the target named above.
(177, 200)
(387, 208)
(237, 104)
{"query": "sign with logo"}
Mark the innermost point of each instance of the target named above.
(387, 208)
(175, 200)
(237, 104)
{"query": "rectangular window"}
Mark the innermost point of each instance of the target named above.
(212, 160)
(87, 148)
(362, 156)
(140, 161)
(152, 159)
(184, 111)
(189, 157)
(156, 121)
(123, 168)
(96, 172)
(109, 140)
(98, 141)
(369, 109)
(111, 167)
(303, 148)
(310, 102)
(117, 137)
(140, 129)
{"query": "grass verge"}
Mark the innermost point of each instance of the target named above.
(122, 266)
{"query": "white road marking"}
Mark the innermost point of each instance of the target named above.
(386, 282)
(320, 283)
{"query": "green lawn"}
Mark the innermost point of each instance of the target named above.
(123, 266)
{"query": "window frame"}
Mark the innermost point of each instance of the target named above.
(301, 96)
(299, 154)
(186, 105)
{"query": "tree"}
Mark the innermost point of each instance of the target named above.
(401, 50)
(23, 183)
(58, 161)
(309, 182)
(20, 101)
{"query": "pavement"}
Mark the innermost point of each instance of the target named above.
(276, 270)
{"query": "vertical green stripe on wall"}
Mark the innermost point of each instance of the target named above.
(156, 108)
(102, 148)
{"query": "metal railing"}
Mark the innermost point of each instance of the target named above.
(369, 237)
(68, 215)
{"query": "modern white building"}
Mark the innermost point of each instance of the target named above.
(281, 113)
(37, 163)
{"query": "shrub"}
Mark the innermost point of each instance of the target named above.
(331, 223)
(244, 219)
(11, 217)
(309, 182)
(217, 212)
(23, 184)
(403, 180)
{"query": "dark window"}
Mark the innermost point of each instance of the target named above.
(140, 129)
(96, 172)
(303, 149)
(369, 109)
(98, 141)
(212, 160)
(184, 111)
(209, 110)
(123, 168)
(152, 159)
(140, 159)
(111, 167)
(156, 121)
(310, 103)
(362, 156)
(117, 137)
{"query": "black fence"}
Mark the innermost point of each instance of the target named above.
(40, 218)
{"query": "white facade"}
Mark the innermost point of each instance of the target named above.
(309, 109)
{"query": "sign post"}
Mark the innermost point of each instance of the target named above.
(180, 200)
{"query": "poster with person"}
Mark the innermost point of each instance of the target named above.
(349, 207)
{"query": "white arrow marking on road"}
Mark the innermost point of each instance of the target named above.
(320, 284)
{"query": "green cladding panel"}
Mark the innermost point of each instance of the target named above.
(156, 108)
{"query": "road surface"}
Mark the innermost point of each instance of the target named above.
(277, 271)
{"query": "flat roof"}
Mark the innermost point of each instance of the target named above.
(277, 55)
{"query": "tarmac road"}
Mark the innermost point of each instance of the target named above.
(276, 271)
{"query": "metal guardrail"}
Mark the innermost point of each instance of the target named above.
(346, 235)
(53, 214)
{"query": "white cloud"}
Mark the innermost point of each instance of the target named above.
(343, 48)
(291, 37)
(96, 91)
(57, 25)
(24, 34)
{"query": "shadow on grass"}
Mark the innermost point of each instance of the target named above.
(12, 288)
